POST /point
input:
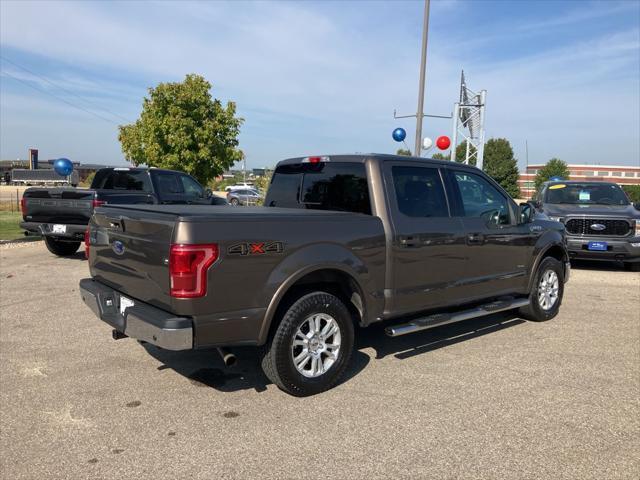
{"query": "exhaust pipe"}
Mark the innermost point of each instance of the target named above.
(228, 358)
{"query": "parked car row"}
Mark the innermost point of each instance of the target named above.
(342, 240)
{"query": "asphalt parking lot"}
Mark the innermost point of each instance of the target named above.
(495, 397)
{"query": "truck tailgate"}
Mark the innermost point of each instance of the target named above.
(58, 205)
(129, 251)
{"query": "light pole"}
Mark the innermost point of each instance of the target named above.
(423, 64)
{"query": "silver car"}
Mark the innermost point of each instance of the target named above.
(244, 197)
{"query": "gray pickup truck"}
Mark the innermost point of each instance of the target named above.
(600, 220)
(342, 242)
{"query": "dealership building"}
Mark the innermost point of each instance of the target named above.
(620, 174)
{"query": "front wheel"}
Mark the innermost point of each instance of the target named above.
(234, 202)
(546, 293)
(61, 248)
(310, 350)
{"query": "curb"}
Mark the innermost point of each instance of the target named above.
(21, 240)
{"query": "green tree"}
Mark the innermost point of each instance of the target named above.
(501, 165)
(182, 127)
(553, 168)
(263, 182)
(404, 151)
(461, 153)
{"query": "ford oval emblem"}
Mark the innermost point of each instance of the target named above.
(118, 247)
(598, 227)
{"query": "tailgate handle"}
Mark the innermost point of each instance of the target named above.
(116, 223)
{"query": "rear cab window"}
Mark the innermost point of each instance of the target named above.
(339, 186)
(123, 180)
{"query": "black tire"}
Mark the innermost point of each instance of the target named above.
(234, 202)
(534, 311)
(61, 248)
(277, 354)
(632, 266)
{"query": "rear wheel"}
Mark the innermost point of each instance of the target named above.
(546, 293)
(310, 350)
(61, 248)
(632, 266)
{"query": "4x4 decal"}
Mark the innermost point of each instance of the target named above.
(255, 248)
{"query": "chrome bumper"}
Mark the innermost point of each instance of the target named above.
(140, 321)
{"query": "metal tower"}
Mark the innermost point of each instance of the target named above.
(468, 123)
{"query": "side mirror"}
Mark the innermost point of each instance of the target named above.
(525, 213)
(208, 193)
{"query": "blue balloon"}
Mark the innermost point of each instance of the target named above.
(63, 167)
(399, 134)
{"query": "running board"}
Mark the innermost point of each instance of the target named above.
(444, 318)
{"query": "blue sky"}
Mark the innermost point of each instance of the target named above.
(325, 77)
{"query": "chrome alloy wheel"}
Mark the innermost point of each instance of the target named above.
(316, 345)
(548, 290)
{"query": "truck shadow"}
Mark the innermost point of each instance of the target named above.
(601, 265)
(204, 368)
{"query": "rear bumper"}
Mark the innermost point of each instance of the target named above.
(617, 249)
(72, 231)
(140, 321)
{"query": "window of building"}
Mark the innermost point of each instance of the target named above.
(603, 174)
(616, 174)
(629, 174)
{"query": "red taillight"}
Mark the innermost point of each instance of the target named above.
(87, 243)
(188, 265)
(23, 206)
(97, 203)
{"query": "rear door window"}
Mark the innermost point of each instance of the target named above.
(168, 183)
(419, 191)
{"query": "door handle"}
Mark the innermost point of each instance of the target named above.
(408, 242)
(475, 239)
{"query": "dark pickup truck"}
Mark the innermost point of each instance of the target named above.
(61, 215)
(600, 221)
(342, 241)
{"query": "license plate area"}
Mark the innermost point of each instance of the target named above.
(597, 246)
(58, 228)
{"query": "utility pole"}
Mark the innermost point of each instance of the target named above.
(423, 64)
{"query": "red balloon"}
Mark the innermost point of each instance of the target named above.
(443, 142)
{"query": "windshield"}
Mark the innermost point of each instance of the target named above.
(586, 194)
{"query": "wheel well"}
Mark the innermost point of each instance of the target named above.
(556, 252)
(333, 281)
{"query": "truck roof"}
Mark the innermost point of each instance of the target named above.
(382, 157)
(578, 182)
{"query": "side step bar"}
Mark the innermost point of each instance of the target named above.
(443, 318)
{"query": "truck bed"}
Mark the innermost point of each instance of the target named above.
(130, 249)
